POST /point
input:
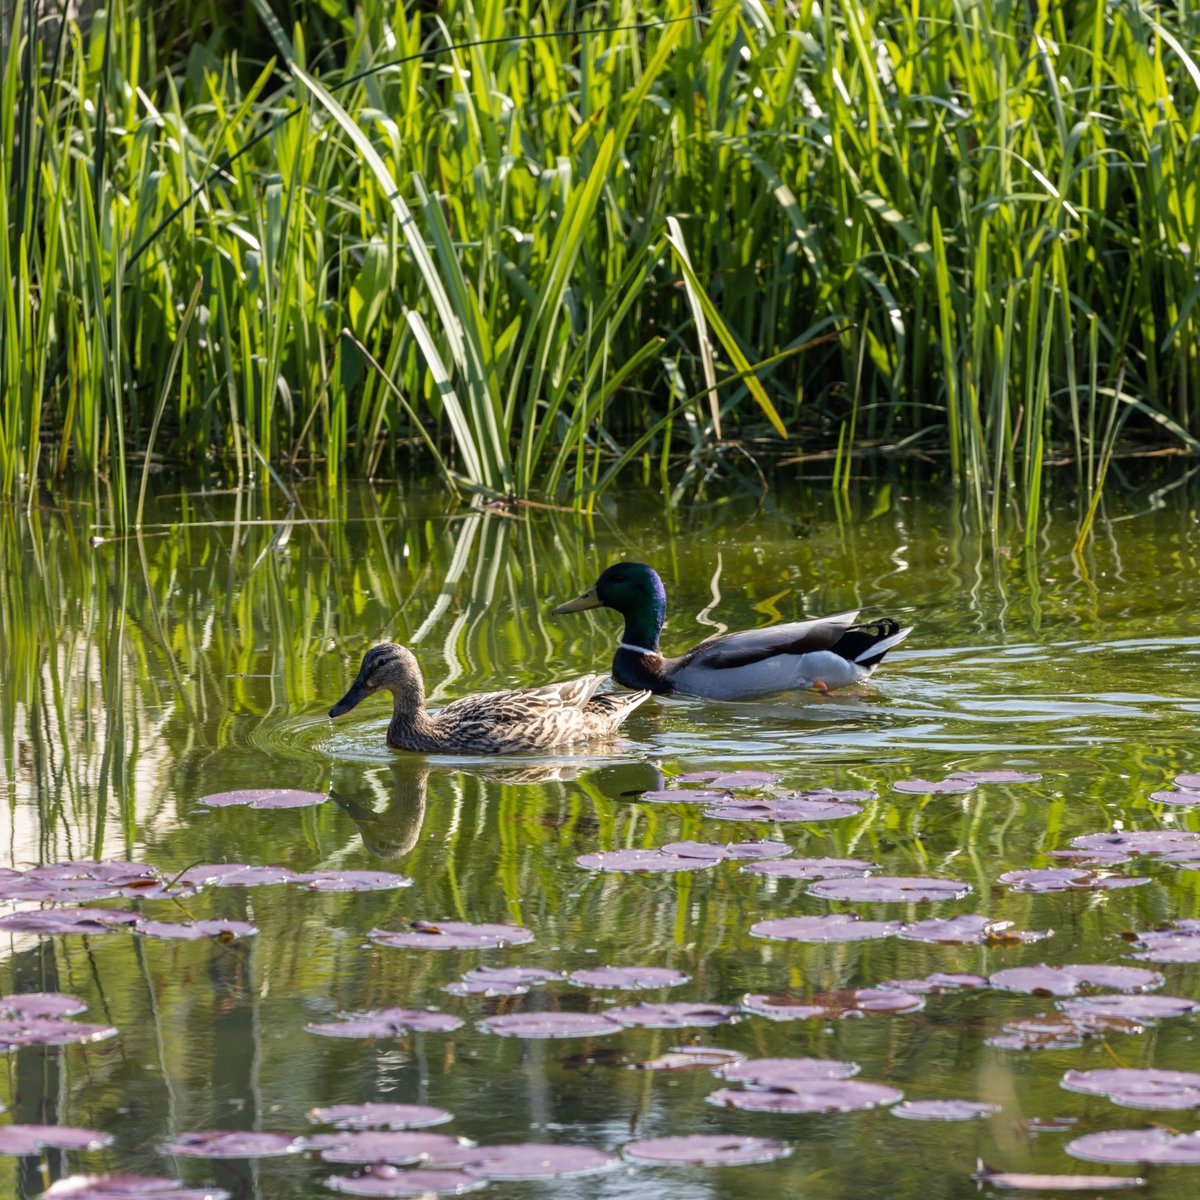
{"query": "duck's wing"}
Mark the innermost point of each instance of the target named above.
(506, 707)
(732, 650)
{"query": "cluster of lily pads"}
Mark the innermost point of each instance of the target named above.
(393, 1144)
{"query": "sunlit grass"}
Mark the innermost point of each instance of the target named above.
(563, 258)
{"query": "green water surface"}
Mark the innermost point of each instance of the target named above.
(141, 674)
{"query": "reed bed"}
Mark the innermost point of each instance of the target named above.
(550, 243)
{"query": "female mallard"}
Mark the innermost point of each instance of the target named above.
(494, 723)
(830, 652)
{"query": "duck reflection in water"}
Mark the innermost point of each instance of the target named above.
(394, 831)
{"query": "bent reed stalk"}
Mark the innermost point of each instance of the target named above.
(559, 236)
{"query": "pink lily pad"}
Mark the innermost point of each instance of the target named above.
(969, 929)
(68, 920)
(787, 1074)
(997, 776)
(219, 1143)
(41, 1004)
(356, 881)
(719, 851)
(1179, 797)
(1059, 1031)
(264, 798)
(929, 787)
(690, 1058)
(1092, 858)
(528, 1161)
(1179, 942)
(706, 1150)
(399, 1147)
(1188, 781)
(500, 981)
(379, 1116)
(943, 1110)
(452, 935)
(937, 983)
(50, 1031)
(260, 877)
(33, 1139)
(836, 1002)
(1143, 1009)
(730, 779)
(810, 868)
(549, 1025)
(810, 807)
(380, 1179)
(127, 1187)
(191, 931)
(1165, 844)
(1042, 980)
(683, 796)
(680, 1015)
(628, 978)
(888, 889)
(1068, 879)
(641, 860)
(1024, 1181)
(1138, 1087)
(1158, 1146)
(386, 1022)
(836, 927)
(817, 1096)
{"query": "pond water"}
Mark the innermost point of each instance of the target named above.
(143, 674)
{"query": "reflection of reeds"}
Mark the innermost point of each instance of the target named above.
(567, 254)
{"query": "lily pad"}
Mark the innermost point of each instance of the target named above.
(1165, 844)
(1068, 879)
(810, 868)
(399, 1147)
(719, 851)
(943, 1110)
(1024, 1181)
(1043, 980)
(1188, 781)
(1158, 1146)
(191, 931)
(628, 978)
(683, 796)
(969, 929)
(730, 779)
(889, 889)
(380, 1179)
(641, 860)
(706, 1150)
(836, 927)
(264, 798)
(818, 1096)
(356, 881)
(1179, 797)
(18, 1032)
(33, 1139)
(809, 807)
(1138, 1087)
(127, 1187)
(218, 1143)
(836, 1002)
(260, 877)
(938, 982)
(1059, 1031)
(550, 1025)
(1141, 1008)
(500, 981)
(1179, 943)
(68, 920)
(373, 1115)
(452, 935)
(929, 787)
(787, 1074)
(41, 1004)
(690, 1058)
(679, 1015)
(529, 1161)
(997, 776)
(386, 1022)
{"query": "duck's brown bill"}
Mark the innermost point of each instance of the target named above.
(358, 691)
(589, 599)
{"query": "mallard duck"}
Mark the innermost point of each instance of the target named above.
(827, 653)
(493, 723)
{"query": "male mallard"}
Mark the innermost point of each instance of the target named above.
(830, 652)
(493, 723)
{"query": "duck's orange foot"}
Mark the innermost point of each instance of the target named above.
(819, 685)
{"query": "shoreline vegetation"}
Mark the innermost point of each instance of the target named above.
(562, 243)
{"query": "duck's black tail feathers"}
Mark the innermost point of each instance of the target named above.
(866, 644)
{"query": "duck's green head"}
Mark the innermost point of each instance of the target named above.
(636, 592)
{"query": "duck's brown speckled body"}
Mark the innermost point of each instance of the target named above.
(492, 723)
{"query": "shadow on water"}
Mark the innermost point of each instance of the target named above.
(202, 656)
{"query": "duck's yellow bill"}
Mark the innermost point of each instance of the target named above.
(589, 599)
